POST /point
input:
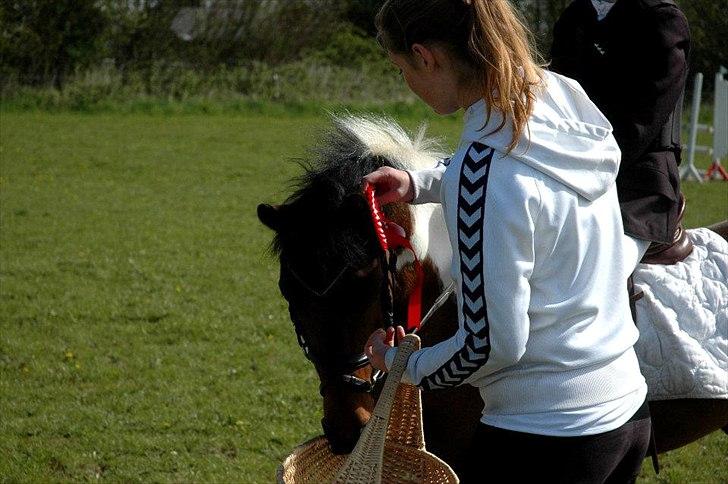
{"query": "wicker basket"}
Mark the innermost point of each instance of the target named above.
(391, 448)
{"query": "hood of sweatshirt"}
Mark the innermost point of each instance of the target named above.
(566, 138)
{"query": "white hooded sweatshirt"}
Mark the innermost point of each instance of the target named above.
(540, 262)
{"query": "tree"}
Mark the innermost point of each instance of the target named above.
(44, 40)
(708, 20)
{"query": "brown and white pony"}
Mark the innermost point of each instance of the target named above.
(333, 278)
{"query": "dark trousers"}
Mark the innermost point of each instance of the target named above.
(506, 456)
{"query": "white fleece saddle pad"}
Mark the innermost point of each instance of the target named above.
(683, 322)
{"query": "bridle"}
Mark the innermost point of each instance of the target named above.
(391, 237)
(314, 291)
(342, 370)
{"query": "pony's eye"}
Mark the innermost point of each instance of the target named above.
(365, 271)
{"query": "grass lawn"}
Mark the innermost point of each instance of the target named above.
(142, 334)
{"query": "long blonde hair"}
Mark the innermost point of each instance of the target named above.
(488, 35)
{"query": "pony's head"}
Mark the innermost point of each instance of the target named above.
(332, 273)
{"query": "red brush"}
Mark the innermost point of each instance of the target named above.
(377, 217)
(390, 233)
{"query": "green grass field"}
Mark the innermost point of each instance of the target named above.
(142, 334)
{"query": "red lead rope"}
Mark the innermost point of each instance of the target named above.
(392, 237)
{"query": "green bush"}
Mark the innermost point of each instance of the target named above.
(316, 79)
(44, 41)
(348, 47)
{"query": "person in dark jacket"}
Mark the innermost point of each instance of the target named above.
(631, 58)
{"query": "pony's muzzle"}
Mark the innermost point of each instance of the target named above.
(341, 441)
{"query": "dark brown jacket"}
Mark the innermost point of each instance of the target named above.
(633, 65)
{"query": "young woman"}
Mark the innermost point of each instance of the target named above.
(539, 253)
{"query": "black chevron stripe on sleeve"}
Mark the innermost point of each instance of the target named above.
(471, 209)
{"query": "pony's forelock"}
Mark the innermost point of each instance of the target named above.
(385, 138)
(353, 147)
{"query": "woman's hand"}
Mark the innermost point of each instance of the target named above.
(378, 343)
(391, 185)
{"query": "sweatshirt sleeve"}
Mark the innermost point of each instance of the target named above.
(570, 40)
(653, 93)
(496, 216)
(427, 183)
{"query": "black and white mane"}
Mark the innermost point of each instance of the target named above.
(320, 208)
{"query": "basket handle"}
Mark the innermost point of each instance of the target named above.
(407, 345)
(364, 464)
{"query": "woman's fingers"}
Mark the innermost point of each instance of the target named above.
(375, 349)
(379, 342)
(376, 337)
(390, 184)
(400, 333)
(390, 336)
(376, 177)
(381, 177)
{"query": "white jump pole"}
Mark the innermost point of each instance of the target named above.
(720, 127)
(689, 170)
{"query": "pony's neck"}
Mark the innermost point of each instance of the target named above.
(429, 239)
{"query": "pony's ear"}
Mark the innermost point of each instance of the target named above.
(354, 202)
(354, 210)
(270, 216)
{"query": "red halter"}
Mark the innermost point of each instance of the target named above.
(392, 237)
